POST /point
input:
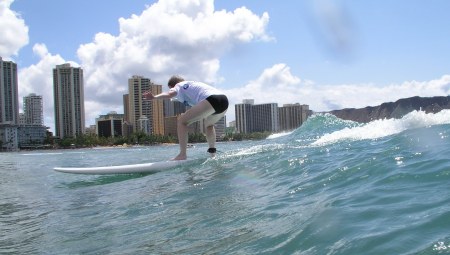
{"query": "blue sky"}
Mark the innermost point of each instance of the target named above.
(324, 53)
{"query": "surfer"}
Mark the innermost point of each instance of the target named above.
(207, 103)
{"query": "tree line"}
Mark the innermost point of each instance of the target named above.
(140, 138)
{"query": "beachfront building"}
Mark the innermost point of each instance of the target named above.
(9, 137)
(256, 118)
(195, 128)
(265, 118)
(243, 114)
(33, 110)
(9, 105)
(292, 116)
(31, 136)
(32, 132)
(269, 117)
(137, 108)
(110, 125)
(68, 94)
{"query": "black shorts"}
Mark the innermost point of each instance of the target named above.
(218, 102)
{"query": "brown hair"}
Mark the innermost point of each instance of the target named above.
(174, 80)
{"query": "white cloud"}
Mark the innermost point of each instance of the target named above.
(14, 31)
(185, 37)
(189, 38)
(273, 82)
(170, 36)
(278, 85)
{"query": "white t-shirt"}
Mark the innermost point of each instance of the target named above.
(192, 92)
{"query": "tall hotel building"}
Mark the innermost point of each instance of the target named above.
(68, 94)
(243, 113)
(9, 105)
(269, 117)
(144, 115)
(9, 97)
(33, 110)
(265, 118)
(292, 116)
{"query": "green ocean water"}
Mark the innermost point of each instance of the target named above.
(329, 187)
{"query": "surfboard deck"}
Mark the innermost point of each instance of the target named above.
(151, 167)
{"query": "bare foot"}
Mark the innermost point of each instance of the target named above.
(180, 157)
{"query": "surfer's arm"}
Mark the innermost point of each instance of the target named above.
(165, 95)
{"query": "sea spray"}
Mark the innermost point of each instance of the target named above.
(386, 127)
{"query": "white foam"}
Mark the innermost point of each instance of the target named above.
(386, 127)
(277, 135)
(41, 154)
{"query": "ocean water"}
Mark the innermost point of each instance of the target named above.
(329, 187)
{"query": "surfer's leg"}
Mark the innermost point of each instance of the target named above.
(211, 136)
(210, 130)
(182, 140)
(197, 112)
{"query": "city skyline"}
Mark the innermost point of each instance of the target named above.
(68, 79)
(27, 130)
(16, 128)
(327, 54)
(148, 84)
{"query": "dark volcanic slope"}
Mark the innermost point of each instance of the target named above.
(394, 109)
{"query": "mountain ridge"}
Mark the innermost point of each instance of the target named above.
(396, 109)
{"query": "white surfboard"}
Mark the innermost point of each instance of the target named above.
(124, 169)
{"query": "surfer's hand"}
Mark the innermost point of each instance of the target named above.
(148, 95)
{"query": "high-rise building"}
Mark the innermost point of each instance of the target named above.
(9, 105)
(126, 108)
(22, 119)
(265, 118)
(139, 108)
(220, 128)
(243, 114)
(170, 126)
(248, 101)
(32, 132)
(199, 127)
(68, 94)
(127, 127)
(269, 117)
(9, 96)
(292, 116)
(33, 109)
(144, 124)
(173, 108)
